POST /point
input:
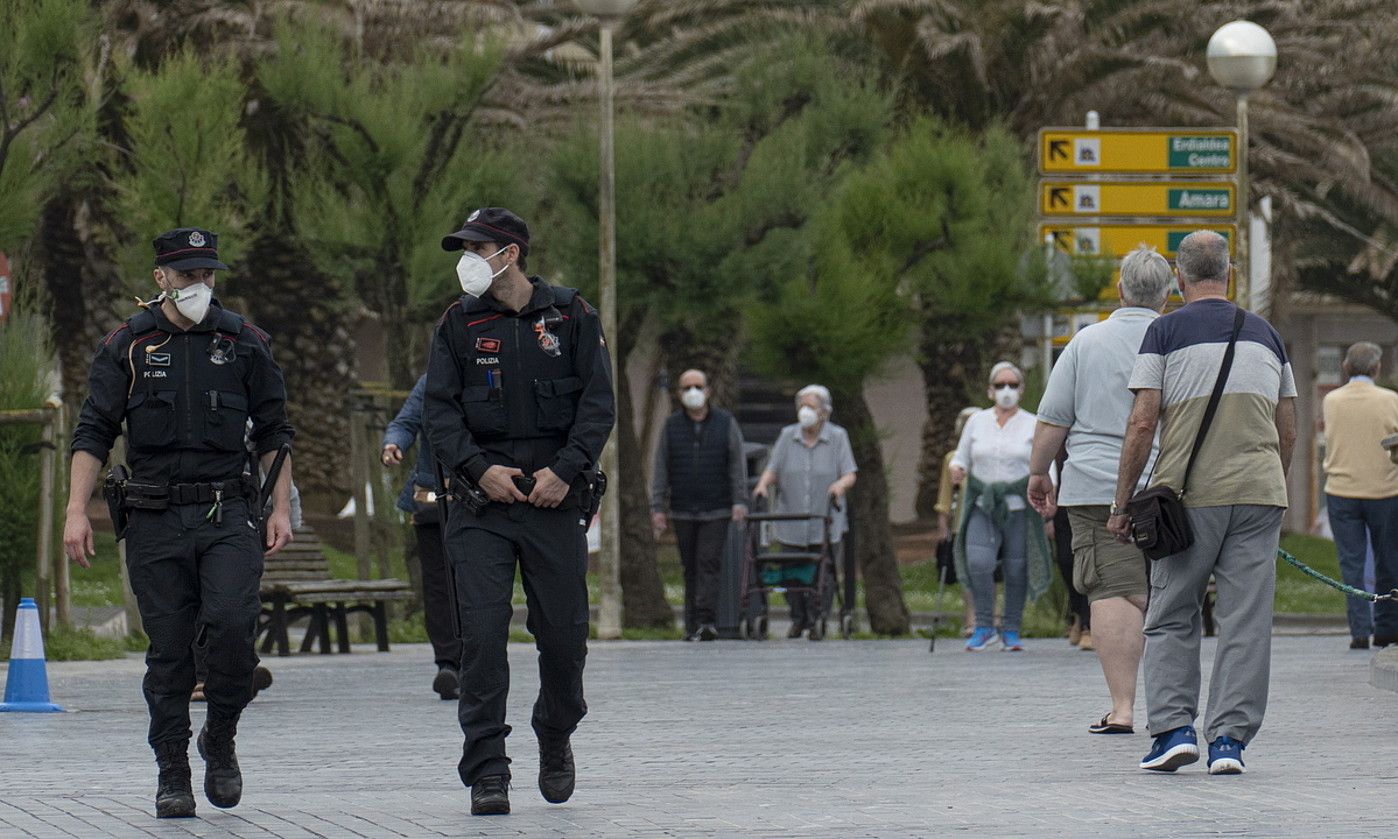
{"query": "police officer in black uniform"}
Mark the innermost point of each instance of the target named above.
(185, 375)
(518, 406)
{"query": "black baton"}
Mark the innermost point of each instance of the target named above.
(264, 495)
(441, 498)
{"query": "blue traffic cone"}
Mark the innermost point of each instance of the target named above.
(27, 688)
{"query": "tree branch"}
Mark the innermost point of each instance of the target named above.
(11, 133)
(354, 125)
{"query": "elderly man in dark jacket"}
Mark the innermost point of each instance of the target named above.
(700, 474)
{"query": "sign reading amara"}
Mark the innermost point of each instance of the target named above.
(1157, 151)
(1135, 198)
(1115, 240)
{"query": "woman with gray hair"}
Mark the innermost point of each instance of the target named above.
(997, 524)
(811, 464)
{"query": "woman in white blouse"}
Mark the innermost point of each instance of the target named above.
(997, 525)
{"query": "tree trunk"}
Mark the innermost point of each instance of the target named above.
(642, 590)
(715, 352)
(883, 586)
(950, 369)
(82, 285)
(308, 320)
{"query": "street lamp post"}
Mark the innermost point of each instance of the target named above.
(608, 13)
(1242, 57)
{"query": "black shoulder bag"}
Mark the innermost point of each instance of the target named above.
(1159, 526)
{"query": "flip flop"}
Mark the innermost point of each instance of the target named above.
(1105, 727)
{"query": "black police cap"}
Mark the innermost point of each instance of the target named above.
(490, 224)
(186, 248)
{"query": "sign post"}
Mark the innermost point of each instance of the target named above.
(1106, 191)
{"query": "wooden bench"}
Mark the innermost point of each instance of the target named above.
(296, 584)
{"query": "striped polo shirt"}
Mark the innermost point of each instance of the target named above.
(1240, 462)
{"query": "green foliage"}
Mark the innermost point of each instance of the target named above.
(24, 366)
(710, 214)
(43, 117)
(394, 159)
(188, 165)
(935, 228)
(1091, 275)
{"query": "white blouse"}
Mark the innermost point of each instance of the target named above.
(994, 453)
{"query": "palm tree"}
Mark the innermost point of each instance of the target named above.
(1315, 128)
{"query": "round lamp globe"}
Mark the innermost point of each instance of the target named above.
(1242, 56)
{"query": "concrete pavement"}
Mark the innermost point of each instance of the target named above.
(780, 739)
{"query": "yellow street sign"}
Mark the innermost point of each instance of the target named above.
(1117, 240)
(1157, 151)
(1137, 198)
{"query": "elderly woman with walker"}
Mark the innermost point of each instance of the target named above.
(811, 465)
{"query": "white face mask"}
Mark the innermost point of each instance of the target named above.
(192, 300)
(1006, 398)
(807, 416)
(693, 398)
(474, 272)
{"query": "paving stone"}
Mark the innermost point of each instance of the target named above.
(775, 739)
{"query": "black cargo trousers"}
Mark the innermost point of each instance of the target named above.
(550, 547)
(196, 581)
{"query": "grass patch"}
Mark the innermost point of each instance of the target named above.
(81, 645)
(1298, 593)
(99, 585)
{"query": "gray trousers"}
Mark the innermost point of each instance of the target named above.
(1238, 546)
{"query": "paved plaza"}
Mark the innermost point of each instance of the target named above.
(780, 739)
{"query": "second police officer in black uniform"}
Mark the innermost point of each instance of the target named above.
(185, 375)
(519, 404)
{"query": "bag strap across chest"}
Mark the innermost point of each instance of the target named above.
(1214, 398)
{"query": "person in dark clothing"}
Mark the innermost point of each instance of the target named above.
(185, 375)
(419, 499)
(1079, 614)
(519, 404)
(701, 475)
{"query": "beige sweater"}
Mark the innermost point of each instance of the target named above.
(1357, 417)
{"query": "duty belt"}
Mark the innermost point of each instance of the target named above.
(210, 492)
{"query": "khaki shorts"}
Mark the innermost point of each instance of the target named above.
(1102, 566)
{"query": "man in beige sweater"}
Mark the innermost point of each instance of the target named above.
(1361, 490)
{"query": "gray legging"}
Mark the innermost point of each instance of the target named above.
(985, 545)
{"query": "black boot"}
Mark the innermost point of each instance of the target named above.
(174, 797)
(447, 684)
(556, 772)
(490, 796)
(223, 782)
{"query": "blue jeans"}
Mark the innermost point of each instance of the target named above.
(1355, 522)
(985, 546)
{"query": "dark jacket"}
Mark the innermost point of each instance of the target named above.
(185, 397)
(528, 389)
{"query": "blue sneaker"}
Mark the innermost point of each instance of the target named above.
(1226, 756)
(1011, 642)
(1173, 749)
(981, 639)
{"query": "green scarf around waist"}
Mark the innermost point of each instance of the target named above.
(990, 500)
